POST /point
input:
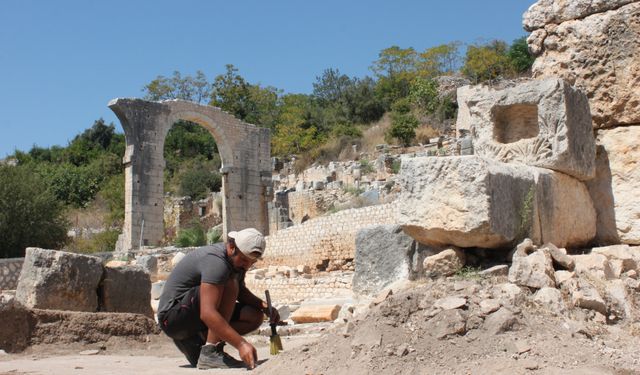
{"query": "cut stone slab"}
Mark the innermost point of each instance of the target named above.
(533, 270)
(628, 258)
(59, 280)
(315, 313)
(490, 204)
(126, 289)
(445, 263)
(384, 255)
(596, 264)
(598, 54)
(542, 123)
(449, 303)
(615, 188)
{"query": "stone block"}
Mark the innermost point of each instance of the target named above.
(470, 201)
(126, 289)
(383, 255)
(542, 123)
(596, 264)
(445, 263)
(550, 298)
(149, 263)
(534, 270)
(585, 295)
(315, 313)
(59, 280)
(628, 258)
(615, 188)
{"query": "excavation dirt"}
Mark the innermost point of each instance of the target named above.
(450, 326)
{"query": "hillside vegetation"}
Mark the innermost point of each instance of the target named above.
(50, 190)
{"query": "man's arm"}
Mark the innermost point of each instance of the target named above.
(248, 298)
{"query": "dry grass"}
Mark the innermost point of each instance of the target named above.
(375, 134)
(424, 132)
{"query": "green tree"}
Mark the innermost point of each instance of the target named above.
(29, 213)
(487, 62)
(519, 57)
(191, 88)
(295, 132)
(439, 60)
(395, 68)
(425, 97)
(403, 122)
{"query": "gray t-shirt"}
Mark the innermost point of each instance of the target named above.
(208, 264)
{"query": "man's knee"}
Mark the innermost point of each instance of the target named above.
(254, 317)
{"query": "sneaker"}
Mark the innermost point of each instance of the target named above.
(190, 347)
(213, 356)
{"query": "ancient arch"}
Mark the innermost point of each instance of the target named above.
(246, 166)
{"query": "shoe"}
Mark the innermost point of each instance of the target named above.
(213, 356)
(190, 347)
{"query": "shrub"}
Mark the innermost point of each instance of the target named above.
(98, 243)
(191, 236)
(366, 166)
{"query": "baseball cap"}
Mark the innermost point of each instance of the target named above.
(249, 241)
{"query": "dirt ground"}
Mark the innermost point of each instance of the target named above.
(443, 327)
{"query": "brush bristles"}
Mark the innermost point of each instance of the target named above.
(275, 345)
(278, 342)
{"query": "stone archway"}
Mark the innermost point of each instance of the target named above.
(246, 166)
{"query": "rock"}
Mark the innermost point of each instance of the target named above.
(382, 296)
(616, 185)
(449, 303)
(90, 352)
(544, 12)
(628, 259)
(562, 276)
(149, 263)
(490, 204)
(285, 311)
(445, 263)
(561, 259)
(366, 337)
(15, 335)
(383, 255)
(510, 293)
(534, 270)
(500, 321)
(584, 295)
(632, 274)
(551, 299)
(315, 313)
(541, 123)
(594, 263)
(598, 53)
(302, 269)
(487, 306)
(447, 323)
(621, 300)
(126, 289)
(156, 289)
(59, 280)
(499, 270)
(116, 263)
(177, 258)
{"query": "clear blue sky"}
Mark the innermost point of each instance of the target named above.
(62, 61)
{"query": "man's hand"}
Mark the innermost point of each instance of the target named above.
(248, 354)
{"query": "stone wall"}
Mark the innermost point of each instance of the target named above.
(295, 289)
(10, 272)
(325, 239)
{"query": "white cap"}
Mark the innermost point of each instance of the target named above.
(249, 241)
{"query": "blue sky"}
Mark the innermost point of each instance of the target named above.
(62, 61)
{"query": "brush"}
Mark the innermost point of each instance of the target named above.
(275, 344)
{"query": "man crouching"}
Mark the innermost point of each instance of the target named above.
(206, 304)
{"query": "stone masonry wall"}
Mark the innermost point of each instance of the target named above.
(294, 289)
(319, 241)
(9, 273)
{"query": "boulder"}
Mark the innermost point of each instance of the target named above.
(585, 295)
(595, 264)
(447, 323)
(445, 263)
(597, 53)
(126, 289)
(18, 324)
(383, 255)
(149, 263)
(551, 299)
(541, 123)
(624, 258)
(560, 258)
(534, 270)
(501, 321)
(59, 280)
(616, 186)
(470, 201)
(620, 299)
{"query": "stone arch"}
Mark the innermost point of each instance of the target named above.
(246, 166)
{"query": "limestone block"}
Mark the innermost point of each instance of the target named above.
(59, 280)
(585, 295)
(470, 201)
(617, 185)
(315, 313)
(551, 298)
(620, 299)
(596, 264)
(534, 270)
(560, 258)
(628, 258)
(149, 263)
(544, 12)
(126, 289)
(383, 256)
(445, 263)
(542, 123)
(562, 276)
(598, 54)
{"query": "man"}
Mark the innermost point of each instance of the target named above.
(206, 304)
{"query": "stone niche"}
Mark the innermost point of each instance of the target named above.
(540, 123)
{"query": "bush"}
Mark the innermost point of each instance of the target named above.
(366, 167)
(99, 243)
(214, 235)
(29, 213)
(192, 236)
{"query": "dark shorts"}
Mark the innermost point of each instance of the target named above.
(182, 320)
